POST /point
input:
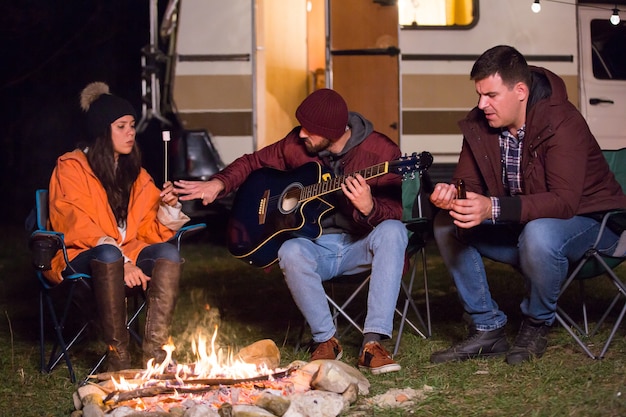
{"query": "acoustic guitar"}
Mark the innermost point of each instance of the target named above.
(272, 206)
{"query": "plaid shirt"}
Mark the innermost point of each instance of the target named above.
(511, 159)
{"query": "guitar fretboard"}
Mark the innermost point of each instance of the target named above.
(334, 184)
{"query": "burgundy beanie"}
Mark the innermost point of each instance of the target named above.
(324, 112)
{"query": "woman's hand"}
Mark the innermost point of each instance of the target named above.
(134, 276)
(169, 195)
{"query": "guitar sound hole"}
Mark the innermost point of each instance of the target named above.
(290, 198)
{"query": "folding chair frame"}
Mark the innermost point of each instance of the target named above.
(340, 310)
(594, 264)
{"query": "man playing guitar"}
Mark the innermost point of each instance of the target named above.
(359, 223)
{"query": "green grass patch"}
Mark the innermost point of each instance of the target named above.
(249, 304)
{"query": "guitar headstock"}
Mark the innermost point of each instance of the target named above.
(407, 165)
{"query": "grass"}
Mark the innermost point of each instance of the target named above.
(250, 304)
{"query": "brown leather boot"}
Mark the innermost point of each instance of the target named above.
(162, 295)
(110, 296)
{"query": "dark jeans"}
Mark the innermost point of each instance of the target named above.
(110, 253)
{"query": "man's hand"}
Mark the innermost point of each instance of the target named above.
(207, 191)
(359, 193)
(443, 195)
(134, 276)
(471, 211)
(468, 212)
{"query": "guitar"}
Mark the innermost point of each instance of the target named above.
(272, 206)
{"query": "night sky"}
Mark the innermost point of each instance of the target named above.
(50, 52)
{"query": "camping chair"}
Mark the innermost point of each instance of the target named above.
(342, 305)
(44, 244)
(595, 264)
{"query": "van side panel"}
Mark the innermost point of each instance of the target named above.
(435, 67)
(213, 75)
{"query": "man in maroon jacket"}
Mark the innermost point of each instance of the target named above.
(534, 175)
(363, 231)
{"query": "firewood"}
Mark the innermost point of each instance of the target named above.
(205, 386)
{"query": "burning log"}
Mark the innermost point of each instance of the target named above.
(126, 374)
(121, 396)
(190, 386)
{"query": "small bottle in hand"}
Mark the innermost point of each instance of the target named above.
(460, 189)
(460, 194)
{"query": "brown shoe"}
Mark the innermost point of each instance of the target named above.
(330, 349)
(376, 359)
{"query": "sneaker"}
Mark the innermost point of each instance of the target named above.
(479, 344)
(330, 349)
(531, 342)
(376, 359)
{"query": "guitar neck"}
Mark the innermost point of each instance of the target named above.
(334, 184)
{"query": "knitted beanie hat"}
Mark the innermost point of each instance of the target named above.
(102, 107)
(324, 112)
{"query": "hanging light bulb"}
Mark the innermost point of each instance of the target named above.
(536, 6)
(615, 17)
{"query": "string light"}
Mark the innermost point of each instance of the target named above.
(615, 16)
(614, 19)
(536, 6)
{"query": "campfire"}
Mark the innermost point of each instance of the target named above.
(223, 383)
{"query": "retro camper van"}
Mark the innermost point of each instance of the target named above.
(239, 68)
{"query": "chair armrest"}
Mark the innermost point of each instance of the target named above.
(418, 229)
(186, 231)
(417, 225)
(614, 220)
(44, 245)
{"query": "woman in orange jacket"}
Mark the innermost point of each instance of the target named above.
(116, 223)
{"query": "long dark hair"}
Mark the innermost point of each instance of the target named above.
(116, 180)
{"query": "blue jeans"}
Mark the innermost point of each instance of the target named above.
(110, 253)
(306, 264)
(541, 250)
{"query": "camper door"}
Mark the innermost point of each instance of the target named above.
(603, 75)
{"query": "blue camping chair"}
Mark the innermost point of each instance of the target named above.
(44, 244)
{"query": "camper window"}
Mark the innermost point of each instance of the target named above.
(437, 13)
(608, 43)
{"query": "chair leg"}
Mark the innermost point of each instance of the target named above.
(618, 322)
(426, 294)
(568, 323)
(576, 338)
(42, 359)
(410, 302)
(60, 348)
(605, 315)
(132, 323)
(340, 309)
(95, 368)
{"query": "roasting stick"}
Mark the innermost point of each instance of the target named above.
(166, 139)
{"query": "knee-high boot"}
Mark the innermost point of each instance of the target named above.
(162, 295)
(110, 295)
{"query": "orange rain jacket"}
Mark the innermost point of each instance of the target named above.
(79, 208)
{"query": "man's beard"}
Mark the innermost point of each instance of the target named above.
(314, 150)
